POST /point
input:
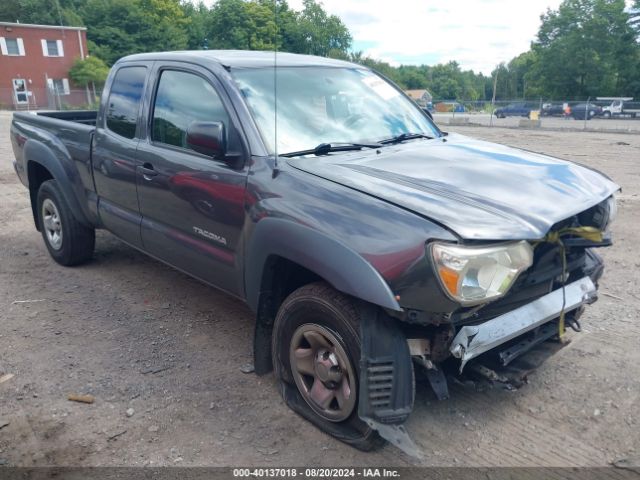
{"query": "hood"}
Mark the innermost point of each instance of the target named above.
(479, 190)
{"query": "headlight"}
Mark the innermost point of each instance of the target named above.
(473, 275)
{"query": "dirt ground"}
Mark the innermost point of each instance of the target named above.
(162, 354)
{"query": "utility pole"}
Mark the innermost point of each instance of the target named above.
(493, 98)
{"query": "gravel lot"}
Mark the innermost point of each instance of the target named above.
(162, 353)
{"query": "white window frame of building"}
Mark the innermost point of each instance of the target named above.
(20, 91)
(60, 86)
(4, 47)
(45, 48)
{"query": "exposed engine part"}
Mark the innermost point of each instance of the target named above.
(440, 343)
(574, 324)
(419, 347)
(528, 341)
(493, 376)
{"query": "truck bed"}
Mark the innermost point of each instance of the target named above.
(86, 117)
(66, 134)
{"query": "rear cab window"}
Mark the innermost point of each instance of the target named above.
(124, 101)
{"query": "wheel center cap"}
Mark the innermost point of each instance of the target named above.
(327, 368)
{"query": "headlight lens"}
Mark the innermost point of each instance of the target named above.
(473, 275)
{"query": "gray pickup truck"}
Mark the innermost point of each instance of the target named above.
(372, 247)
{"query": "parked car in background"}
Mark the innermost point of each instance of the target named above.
(589, 110)
(449, 107)
(622, 107)
(552, 110)
(520, 109)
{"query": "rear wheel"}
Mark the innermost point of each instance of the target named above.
(316, 353)
(68, 241)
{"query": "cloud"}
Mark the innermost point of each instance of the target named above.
(477, 34)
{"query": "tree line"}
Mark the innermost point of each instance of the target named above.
(584, 48)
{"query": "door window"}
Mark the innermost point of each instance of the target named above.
(181, 99)
(124, 101)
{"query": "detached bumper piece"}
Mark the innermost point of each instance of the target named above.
(472, 341)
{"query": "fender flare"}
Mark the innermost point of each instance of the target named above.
(327, 257)
(65, 173)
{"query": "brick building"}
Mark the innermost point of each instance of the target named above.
(34, 66)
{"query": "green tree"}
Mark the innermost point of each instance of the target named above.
(318, 33)
(634, 12)
(116, 28)
(240, 24)
(91, 70)
(585, 48)
(198, 15)
(44, 12)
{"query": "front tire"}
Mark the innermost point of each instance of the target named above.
(68, 241)
(316, 354)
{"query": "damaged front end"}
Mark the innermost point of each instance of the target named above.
(515, 301)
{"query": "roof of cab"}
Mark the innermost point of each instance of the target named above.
(243, 58)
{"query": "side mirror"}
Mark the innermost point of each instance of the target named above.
(208, 138)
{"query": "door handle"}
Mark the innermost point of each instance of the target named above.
(148, 171)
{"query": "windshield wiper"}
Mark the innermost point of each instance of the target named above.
(404, 136)
(325, 148)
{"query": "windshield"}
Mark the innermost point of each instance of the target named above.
(327, 105)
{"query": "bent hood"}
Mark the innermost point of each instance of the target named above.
(478, 189)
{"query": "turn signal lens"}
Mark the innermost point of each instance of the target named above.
(450, 280)
(474, 275)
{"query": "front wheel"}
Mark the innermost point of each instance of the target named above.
(316, 353)
(68, 241)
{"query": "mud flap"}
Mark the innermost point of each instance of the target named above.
(387, 384)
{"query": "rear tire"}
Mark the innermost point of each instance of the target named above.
(68, 241)
(316, 335)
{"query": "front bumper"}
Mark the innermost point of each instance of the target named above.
(475, 340)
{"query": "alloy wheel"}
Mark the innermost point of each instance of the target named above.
(52, 224)
(323, 372)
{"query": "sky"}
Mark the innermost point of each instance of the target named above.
(478, 34)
